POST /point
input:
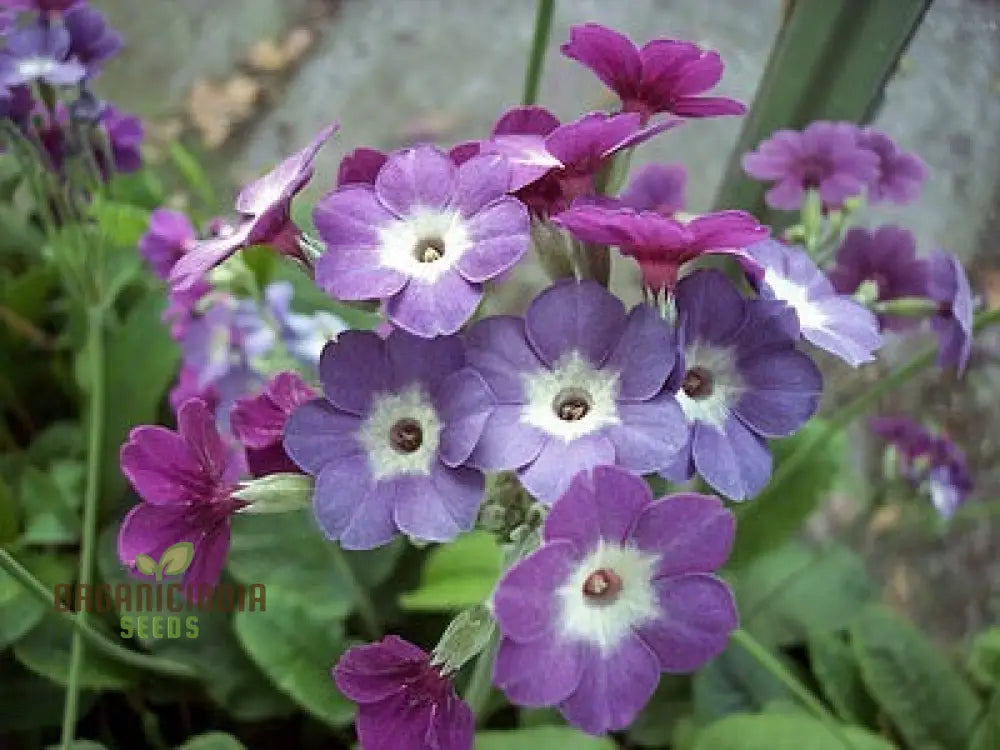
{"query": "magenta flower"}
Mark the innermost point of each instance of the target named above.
(169, 236)
(553, 164)
(656, 187)
(948, 285)
(425, 238)
(185, 479)
(265, 208)
(620, 591)
(826, 156)
(188, 386)
(660, 244)
(361, 166)
(885, 258)
(258, 422)
(125, 133)
(900, 175)
(404, 703)
(665, 75)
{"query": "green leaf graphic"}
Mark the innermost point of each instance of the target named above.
(177, 558)
(145, 564)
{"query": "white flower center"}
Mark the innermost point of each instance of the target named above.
(570, 400)
(401, 434)
(711, 383)
(797, 297)
(608, 594)
(36, 67)
(424, 244)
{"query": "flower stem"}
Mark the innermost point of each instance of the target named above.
(100, 643)
(366, 608)
(95, 435)
(539, 45)
(477, 692)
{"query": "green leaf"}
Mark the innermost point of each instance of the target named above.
(212, 741)
(987, 734)
(80, 745)
(836, 669)
(177, 558)
(549, 738)
(190, 168)
(46, 651)
(296, 643)
(19, 610)
(781, 731)
(773, 517)
(929, 702)
(984, 659)
(733, 683)
(656, 723)
(49, 514)
(457, 575)
(795, 591)
(121, 224)
(9, 523)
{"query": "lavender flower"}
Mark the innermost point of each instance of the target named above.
(665, 75)
(743, 382)
(620, 591)
(900, 174)
(169, 236)
(92, 40)
(265, 207)
(886, 259)
(258, 422)
(825, 156)
(304, 336)
(387, 441)
(404, 702)
(579, 383)
(656, 187)
(125, 133)
(660, 244)
(41, 6)
(39, 53)
(185, 479)
(425, 238)
(948, 285)
(831, 321)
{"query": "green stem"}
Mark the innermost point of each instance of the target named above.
(477, 692)
(366, 608)
(95, 435)
(539, 45)
(100, 643)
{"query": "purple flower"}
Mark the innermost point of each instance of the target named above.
(169, 236)
(185, 480)
(386, 443)
(258, 422)
(125, 135)
(665, 75)
(42, 6)
(887, 258)
(304, 336)
(403, 701)
(825, 156)
(948, 285)
(187, 387)
(425, 238)
(265, 208)
(553, 164)
(900, 175)
(620, 591)
(579, 383)
(661, 244)
(182, 308)
(92, 40)
(656, 187)
(39, 53)
(831, 321)
(743, 381)
(361, 166)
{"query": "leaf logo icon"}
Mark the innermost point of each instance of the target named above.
(175, 560)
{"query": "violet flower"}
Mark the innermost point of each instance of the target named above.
(125, 134)
(39, 53)
(169, 236)
(656, 187)
(185, 480)
(885, 258)
(664, 75)
(188, 387)
(579, 383)
(265, 208)
(361, 166)
(424, 238)
(621, 590)
(92, 40)
(900, 174)
(660, 244)
(258, 422)
(403, 701)
(302, 335)
(388, 439)
(743, 382)
(825, 156)
(948, 285)
(831, 321)
(42, 6)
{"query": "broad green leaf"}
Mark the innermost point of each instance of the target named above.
(733, 683)
(984, 659)
(457, 575)
(931, 705)
(541, 738)
(121, 224)
(296, 642)
(19, 610)
(836, 669)
(781, 509)
(145, 564)
(46, 651)
(49, 514)
(794, 591)
(177, 558)
(781, 731)
(987, 733)
(212, 741)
